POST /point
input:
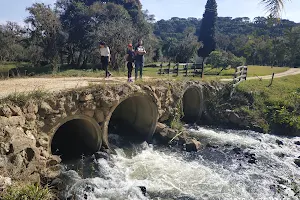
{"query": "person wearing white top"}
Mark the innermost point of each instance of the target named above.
(105, 58)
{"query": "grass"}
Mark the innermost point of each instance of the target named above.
(22, 98)
(277, 105)
(27, 192)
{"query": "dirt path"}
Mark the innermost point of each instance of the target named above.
(12, 86)
(21, 85)
(292, 71)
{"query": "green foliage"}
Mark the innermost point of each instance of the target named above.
(27, 192)
(208, 29)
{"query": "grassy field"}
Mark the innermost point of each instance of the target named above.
(210, 73)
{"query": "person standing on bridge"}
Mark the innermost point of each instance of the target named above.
(105, 58)
(130, 59)
(139, 58)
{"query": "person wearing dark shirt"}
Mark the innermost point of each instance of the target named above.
(130, 59)
(139, 58)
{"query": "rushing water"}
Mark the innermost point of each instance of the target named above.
(231, 165)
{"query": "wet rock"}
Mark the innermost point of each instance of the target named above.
(297, 162)
(234, 117)
(192, 145)
(279, 142)
(237, 150)
(144, 190)
(58, 184)
(100, 154)
(166, 135)
(208, 145)
(297, 142)
(252, 161)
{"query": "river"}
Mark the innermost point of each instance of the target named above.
(231, 165)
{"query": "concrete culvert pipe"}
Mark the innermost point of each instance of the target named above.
(134, 119)
(192, 104)
(76, 137)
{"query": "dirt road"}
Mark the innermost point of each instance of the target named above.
(20, 85)
(292, 71)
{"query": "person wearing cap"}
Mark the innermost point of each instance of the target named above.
(105, 58)
(139, 58)
(130, 59)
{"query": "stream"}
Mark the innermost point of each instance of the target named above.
(231, 165)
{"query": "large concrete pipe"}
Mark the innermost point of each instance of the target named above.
(134, 118)
(76, 136)
(192, 104)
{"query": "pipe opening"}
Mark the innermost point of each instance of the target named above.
(134, 119)
(75, 138)
(192, 105)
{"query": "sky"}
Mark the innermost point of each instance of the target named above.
(166, 9)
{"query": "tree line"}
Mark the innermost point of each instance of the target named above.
(69, 32)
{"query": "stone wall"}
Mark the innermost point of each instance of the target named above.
(28, 129)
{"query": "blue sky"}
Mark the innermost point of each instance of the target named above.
(165, 9)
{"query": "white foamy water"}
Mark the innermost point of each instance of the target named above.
(212, 173)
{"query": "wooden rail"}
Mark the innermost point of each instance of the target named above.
(240, 75)
(187, 69)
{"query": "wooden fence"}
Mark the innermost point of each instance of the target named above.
(187, 69)
(240, 75)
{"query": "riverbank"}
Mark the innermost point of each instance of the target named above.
(259, 106)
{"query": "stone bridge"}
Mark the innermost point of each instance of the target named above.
(79, 121)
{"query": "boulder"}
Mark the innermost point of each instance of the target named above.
(165, 135)
(19, 140)
(192, 145)
(235, 118)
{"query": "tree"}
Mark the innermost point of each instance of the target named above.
(44, 31)
(274, 7)
(208, 29)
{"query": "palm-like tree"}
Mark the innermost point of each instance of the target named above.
(274, 7)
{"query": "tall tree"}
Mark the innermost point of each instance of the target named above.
(208, 29)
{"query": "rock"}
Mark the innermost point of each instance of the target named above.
(16, 111)
(31, 107)
(53, 161)
(192, 145)
(16, 121)
(297, 142)
(252, 161)
(47, 109)
(30, 117)
(208, 145)
(87, 97)
(5, 110)
(166, 135)
(144, 190)
(99, 115)
(160, 127)
(4, 182)
(237, 150)
(279, 142)
(89, 113)
(3, 161)
(100, 154)
(19, 140)
(297, 162)
(235, 118)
